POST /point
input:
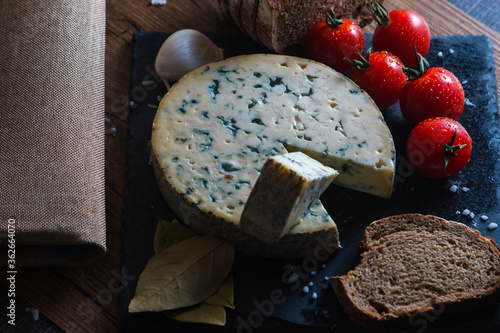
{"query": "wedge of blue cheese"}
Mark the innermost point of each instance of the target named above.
(287, 187)
(217, 126)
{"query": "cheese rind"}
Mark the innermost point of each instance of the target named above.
(217, 126)
(287, 187)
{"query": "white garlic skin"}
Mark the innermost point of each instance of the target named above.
(184, 51)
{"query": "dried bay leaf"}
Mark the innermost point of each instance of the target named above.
(168, 233)
(225, 294)
(211, 311)
(200, 313)
(183, 274)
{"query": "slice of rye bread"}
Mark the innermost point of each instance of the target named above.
(249, 17)
(224, 10)
(413, 264)
(234, 9)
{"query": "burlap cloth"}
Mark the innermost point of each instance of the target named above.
(52, 131)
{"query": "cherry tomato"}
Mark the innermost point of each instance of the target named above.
(398, 32)
(381, 75)
(438, 147)
(334, 41)
(436, 93)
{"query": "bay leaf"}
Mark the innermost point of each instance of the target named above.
(199, 313)
(168, 233)
(183, 274)
(224, 295)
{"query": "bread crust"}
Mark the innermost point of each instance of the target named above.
(442, 306)
(428, 221)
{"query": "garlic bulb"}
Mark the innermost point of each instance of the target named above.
(184, 51)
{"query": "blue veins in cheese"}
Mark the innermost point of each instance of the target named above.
(287, 187)
(216, 127)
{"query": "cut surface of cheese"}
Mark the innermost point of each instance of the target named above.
(287, 187)
(217, 126)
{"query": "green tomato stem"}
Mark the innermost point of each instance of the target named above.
(332, 19)
(363, 63)
(422, 66)
(450, 150)
(380, 14)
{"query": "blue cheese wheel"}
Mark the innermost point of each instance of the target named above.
(217, 126)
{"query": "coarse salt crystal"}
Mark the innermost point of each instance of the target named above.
(305, 289)
(453, 188)
(465, 189)
(458, 212)
(452, 51)
(327, 278)
(469, 103)
(113, 131)
(466, 212)
(484, 218)
(440, 54)
(158, 2)
(107, 120)
(314, 296)
(36, 314)
(310, 284)
(294, 277)
(492, 226)
(472, 215)
(313, 273)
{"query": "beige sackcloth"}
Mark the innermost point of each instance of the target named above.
(52, 131)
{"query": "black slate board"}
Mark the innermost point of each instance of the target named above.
(469, 57)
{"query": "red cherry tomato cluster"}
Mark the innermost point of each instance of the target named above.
(430, 98)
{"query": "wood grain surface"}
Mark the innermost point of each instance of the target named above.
(84, 299)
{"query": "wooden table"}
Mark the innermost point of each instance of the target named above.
(84, 299)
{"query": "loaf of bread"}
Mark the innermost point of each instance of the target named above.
(279, 24)
(414, 264)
